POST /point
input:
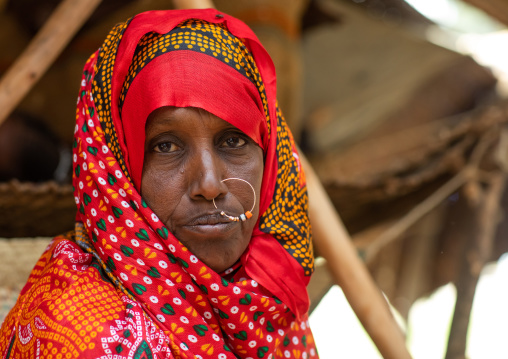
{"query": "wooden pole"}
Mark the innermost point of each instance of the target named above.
(349, 272)
(194, 4)
(486, 212)
(486, 217)
(42, 51)
(416, 213)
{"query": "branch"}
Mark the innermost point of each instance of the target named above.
(42, 51)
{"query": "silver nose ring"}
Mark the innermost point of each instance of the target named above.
(244, 216)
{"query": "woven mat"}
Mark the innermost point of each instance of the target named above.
(17, 258)
(8, 296)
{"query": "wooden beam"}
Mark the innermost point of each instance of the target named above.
(416, 213)
(42, 51)
(193, 4)
(333, 242)
(486, 214)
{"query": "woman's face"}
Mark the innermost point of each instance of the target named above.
(188, 152)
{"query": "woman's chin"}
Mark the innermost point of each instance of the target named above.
(217, 256)
(219, 246)
(219, 265)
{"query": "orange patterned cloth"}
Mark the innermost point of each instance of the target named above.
(121, 285)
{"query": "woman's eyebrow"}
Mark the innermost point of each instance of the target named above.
(160, 123)
(163, 119)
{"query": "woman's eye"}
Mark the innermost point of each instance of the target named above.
(234, 142)
(166, 147)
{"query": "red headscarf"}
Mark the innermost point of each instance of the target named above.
(190, 77)
(160, 59)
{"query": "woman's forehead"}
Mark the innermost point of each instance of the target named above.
(184, 118)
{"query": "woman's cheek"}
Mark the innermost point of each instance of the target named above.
(159, 191)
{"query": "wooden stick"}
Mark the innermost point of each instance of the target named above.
(349, 272)
(477, 254)
(470, 171)
(417, 213)
(194, 4)
(44, 48)
(485, 217)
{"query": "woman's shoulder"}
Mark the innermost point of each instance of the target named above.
(67, 298)
(70, 307)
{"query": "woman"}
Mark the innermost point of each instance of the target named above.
(192, 238)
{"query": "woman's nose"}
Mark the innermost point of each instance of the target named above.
(206, 177)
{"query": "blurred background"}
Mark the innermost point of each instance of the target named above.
(400, 106)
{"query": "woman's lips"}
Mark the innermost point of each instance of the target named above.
(208, 219)
(210, 224)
